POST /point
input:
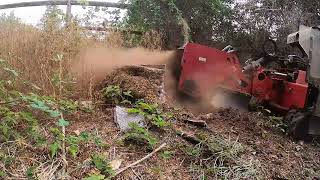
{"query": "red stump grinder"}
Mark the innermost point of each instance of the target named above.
(288, 85)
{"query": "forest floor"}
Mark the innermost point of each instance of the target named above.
(229, 145)
(232, 145)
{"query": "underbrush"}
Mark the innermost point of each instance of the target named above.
(41, 98)
(38, 123)
(206, 156)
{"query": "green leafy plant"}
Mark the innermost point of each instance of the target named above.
(152, 113)
(101, 163)
(115, 95)
(140, 135)
(7, 159)
(10, 122)
(17, 115)
(194, 151)
(2, 174)
(30, 173)
(33, 128)
(36, 102)
(167, 154)
(51, 105)
(54, 109)
(72, 142)
(95, 177)
(97, 140)
(83, 2)
(54, 147)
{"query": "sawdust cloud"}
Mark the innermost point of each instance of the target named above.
(97, 62)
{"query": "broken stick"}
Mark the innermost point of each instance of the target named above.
(196, 122)
(190, 138)
(139, 161)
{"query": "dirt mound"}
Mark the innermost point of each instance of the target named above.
(143, 82)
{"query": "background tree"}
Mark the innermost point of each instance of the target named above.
(181, 20)
(258, 20)
(245, 25)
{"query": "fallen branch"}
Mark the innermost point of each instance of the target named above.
(139, 161)
(190, 138)
(199, 123)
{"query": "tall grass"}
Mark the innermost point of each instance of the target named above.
(44, 56)
(34, 53)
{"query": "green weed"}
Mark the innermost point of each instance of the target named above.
(2, 174)
(101, 163)
(194, 151)
(30, 173)
(140, 135)
(152, 113)
(95, 177)
(167, 154)
(115, 95)
(72, 142)
(7, 159)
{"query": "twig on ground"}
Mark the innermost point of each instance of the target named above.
(139, 161)
(15, 176)
(47, 172)
(199, 123)
(136, 174)
(190, 138)
(8, 102)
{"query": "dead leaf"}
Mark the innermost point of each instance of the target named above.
(77, 132)
(94, 171)
(115, 164)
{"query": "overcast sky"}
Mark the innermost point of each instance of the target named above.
(32, 15)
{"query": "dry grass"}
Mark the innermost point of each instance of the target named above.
(37, 53)
(34, 53)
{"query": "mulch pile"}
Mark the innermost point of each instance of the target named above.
(143, 82)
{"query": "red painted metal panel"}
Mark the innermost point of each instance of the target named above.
(204, 69)
(294, 95)
(209, 68)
